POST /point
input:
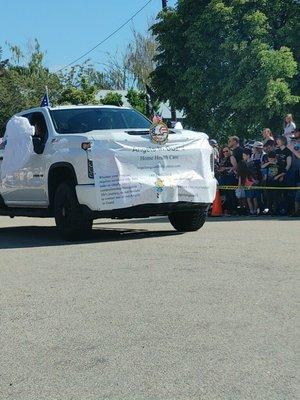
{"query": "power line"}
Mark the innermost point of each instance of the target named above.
(107, 37)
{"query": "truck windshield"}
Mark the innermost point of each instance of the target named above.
(79, 120)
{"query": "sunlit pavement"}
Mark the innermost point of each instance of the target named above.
(139, 311)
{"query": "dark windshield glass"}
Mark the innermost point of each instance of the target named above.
(79, 120)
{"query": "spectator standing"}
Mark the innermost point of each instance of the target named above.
(267, 135)
(272, 173)
(226, 176)
(294, 147)
(258, 158)
(283, 154)
(237, 152)
(214, 145)
(252, 172)
(258, 152)
(284, 157)
(289, 126)
(269, 145)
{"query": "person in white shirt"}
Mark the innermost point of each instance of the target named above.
(289, 127)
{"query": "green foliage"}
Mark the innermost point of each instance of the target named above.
(137, 100)
(140, 58)
(23, 81)
(230, 64)
(84, 94)
(112, 99)
(86, 74)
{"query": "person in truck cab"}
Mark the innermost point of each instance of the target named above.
(40, 133)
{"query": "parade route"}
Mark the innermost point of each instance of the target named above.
(140, 311)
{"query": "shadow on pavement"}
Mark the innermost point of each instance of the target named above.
(41, 236)
(266, 218)
(223, 218)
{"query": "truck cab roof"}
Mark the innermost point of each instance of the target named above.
(70, 107)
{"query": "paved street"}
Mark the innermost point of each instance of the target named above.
(142, 312)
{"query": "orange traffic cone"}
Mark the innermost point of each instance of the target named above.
(216, 210)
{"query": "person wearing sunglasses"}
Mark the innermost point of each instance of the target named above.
(226, 176)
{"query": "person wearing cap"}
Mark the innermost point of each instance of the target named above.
(257, 152)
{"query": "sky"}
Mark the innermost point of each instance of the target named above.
(66, 29)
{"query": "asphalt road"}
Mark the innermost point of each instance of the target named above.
(142, 312)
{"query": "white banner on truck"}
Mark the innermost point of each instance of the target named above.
(128, 174)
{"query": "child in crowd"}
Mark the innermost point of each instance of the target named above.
(273, 174)
(252, 179)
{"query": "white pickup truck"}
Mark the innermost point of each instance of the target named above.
(92, 162)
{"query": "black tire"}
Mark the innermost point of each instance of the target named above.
(72, 223)
(188, 221)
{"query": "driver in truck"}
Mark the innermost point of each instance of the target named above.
(40, 133)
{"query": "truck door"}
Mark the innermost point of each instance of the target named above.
(27, 186)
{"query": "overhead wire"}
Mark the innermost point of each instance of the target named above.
(107, 37)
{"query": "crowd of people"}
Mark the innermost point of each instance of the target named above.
(254, 177)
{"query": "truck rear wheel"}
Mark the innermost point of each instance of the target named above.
(188, 221)
(71, 221)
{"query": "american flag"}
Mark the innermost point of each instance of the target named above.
(45, 100)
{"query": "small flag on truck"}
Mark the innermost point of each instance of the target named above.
(45, 100)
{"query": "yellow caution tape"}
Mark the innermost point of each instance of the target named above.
(232, 187)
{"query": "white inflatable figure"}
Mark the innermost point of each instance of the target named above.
(178, 125)
(19, 146)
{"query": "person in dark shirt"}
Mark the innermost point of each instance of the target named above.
(294, 146)
(269, 145)
(283, 154)
(40, 136)
(273, 173)
(253, 177)
(226, 176)
(234, 145)
(284, 157)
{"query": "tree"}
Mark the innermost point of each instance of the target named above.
(230, 64)
(116, 71)
(140, 57)
(23, 80)
(138, 100)
(84, 74)
(85, 94)
(81, 84)
(112, 99)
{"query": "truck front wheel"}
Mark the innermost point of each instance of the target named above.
(188, 221)
(71, 221)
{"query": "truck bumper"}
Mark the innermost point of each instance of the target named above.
(87, 197)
